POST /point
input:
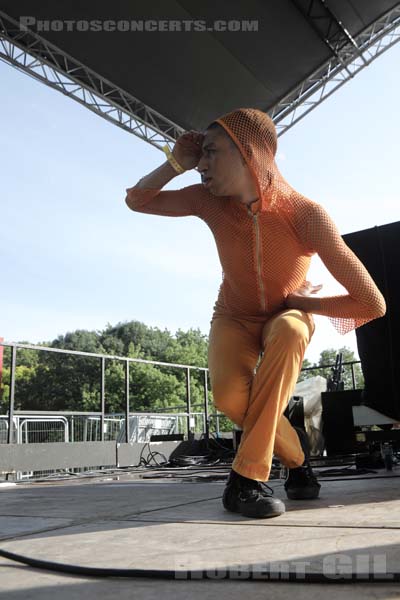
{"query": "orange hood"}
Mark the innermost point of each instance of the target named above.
(254, 133)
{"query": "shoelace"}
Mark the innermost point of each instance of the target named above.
(254, 485)
(265, 485)
(309, 472)
(260, 486)
(305, 471)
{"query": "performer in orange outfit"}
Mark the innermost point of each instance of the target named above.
(266, 233)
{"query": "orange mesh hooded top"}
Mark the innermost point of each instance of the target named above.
(265, 249)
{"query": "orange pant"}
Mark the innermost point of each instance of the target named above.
(255, 401)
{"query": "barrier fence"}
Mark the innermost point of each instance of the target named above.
(79, 426)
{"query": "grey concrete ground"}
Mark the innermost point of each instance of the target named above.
(180, 525)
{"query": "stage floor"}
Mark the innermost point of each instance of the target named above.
(147, 520)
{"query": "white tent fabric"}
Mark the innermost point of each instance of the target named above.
(310, 390)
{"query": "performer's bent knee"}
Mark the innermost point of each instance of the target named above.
(292, 329)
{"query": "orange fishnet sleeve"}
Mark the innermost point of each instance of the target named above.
(364, 302)
(185, 202)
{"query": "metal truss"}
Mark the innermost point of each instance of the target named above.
(331, 31)
(32, 54)
(350, 56)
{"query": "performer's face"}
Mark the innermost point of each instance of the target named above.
(222, 161)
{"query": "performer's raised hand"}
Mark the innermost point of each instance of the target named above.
(187, 149)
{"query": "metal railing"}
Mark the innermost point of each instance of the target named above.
(19, 426)
(43, 427)
(188, 413)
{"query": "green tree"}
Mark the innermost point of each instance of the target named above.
(307, 374)
(328, 357)
(152, 341)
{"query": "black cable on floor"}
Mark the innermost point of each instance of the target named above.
(212, 574)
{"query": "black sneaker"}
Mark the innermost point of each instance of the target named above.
(301, 483)
(250, 498)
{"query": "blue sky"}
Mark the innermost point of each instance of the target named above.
(75, 257)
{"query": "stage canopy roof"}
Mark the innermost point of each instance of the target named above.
(158, 82)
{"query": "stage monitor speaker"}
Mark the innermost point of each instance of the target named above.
(378, 249)
(337, 421)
